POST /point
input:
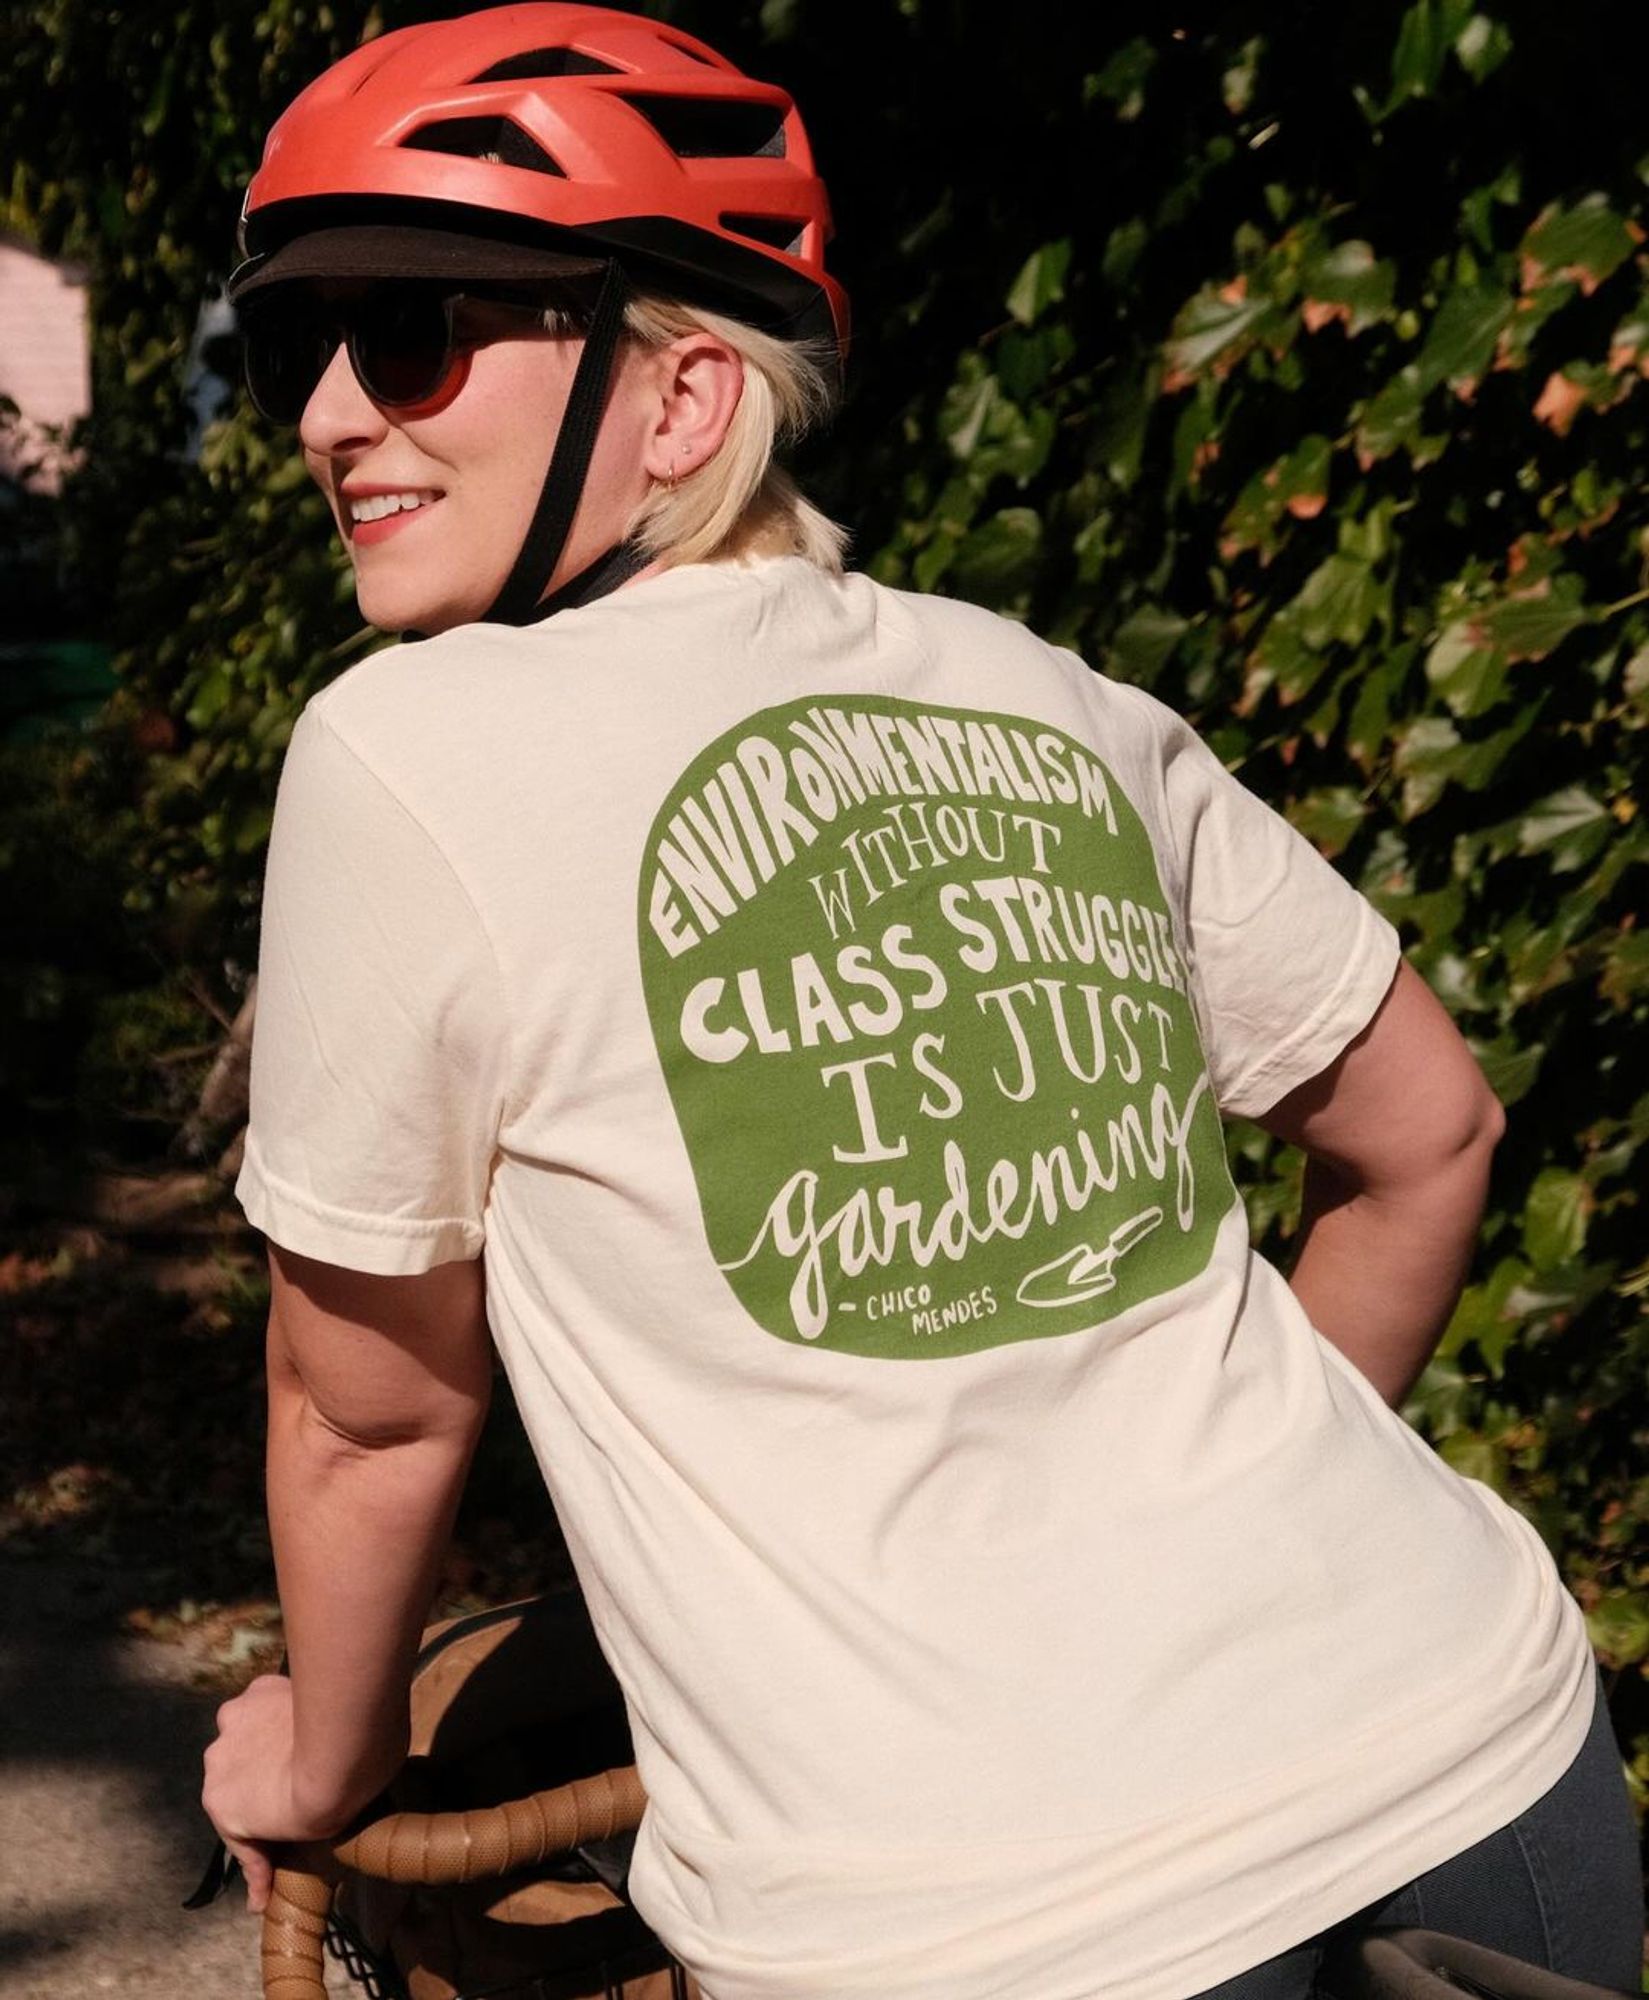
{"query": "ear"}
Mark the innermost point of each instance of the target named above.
(699, 382)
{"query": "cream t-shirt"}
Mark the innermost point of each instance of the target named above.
(817, 1004)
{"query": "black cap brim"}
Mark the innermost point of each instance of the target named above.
(408, 250)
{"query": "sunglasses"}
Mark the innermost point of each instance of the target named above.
(409, 346)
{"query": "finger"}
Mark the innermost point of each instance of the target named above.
(259, 1870)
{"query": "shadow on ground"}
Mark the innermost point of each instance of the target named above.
(101, 1835)
(136, 1590)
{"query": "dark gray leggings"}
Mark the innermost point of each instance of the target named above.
(1560, 1886)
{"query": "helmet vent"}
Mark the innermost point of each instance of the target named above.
(545, 63)
(779, 232)
(710, 128)
(500, 140)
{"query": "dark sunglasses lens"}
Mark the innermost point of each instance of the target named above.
(401, 347)
(284, 357)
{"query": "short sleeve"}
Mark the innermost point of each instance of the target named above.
(1289, 961)
(378, 1052)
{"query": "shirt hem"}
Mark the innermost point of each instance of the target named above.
(381, 1246)
(1395, 1839)
(1330, 1031)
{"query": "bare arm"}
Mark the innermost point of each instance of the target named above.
(377, 1390)
(1398, 1136)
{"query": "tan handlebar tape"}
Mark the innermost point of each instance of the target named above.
(294, 1935)
(434, 1848)
(453, 1847)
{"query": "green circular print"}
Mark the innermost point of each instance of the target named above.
(924, 1019)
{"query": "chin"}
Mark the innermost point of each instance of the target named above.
(408, 610)
(422, 584)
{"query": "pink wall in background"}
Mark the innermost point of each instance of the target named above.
(44, 366)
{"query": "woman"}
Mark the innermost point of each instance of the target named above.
(792, 1020)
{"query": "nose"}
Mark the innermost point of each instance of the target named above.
(340, 418)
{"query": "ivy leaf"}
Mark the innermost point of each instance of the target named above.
(1618, 1625)
(989, 432)
(1442, 1400)
(1237, 84)
(1536, 958)
(1000, 556)
(1586, 243)
(1557, 1295)
(1340, 599)
(1350, 284)
(1144, 640)
(1195, 441)
(1467, 672)
(1120, 421)
(1299, 482)
(1477, 1457)
(1329, 817)
(216, 688)
(1431, 755)
(1124, 247)
(1430, 28)
(1390, 422)
(1296, 484)
(1481, 1316)
(1461, 341)
(1509, 1067)
(1370, 717)
(934, 560)
(1569, 825)
(1368, 536)
(1477, 206)
(1211, 331)
(1555, 1218)
(1469, 661)
(1528, 628)
(1122, 81)
(1625, 977)
(160, 97)
(1422, 43)
(1634, 676)
(1041, 282)
(248, 829)
(967, 407)
(1285, 658)
(1482, 46)
(1428, 754)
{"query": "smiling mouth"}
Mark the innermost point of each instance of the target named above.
(362, 511)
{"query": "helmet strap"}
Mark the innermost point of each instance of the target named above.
(605, 574)
(521, 601)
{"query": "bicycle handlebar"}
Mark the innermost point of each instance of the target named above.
(433, 1848)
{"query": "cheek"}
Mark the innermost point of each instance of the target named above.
(517, 393)
(498, 435)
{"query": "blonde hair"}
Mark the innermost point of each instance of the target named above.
(740, 503)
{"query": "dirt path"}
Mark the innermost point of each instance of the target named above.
(134, 1566)
(101, 1836)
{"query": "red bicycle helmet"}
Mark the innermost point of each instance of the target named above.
(558, 128)
(549, 142)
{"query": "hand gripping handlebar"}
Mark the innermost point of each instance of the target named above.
(432, 1848)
